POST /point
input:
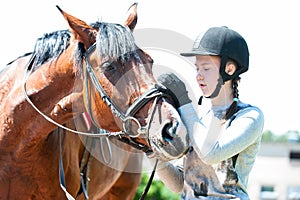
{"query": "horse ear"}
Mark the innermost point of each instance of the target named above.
(132, 17)
(82, 31)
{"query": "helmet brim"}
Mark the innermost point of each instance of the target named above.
(199, 52)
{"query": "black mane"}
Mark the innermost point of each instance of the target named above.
(114, 39)
(50, 46)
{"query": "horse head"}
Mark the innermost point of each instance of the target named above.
(120, 91)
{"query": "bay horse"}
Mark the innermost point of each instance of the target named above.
(57, 101)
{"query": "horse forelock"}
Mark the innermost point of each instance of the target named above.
(115, 41)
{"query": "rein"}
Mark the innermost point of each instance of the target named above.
(143, 131)
(29, 69)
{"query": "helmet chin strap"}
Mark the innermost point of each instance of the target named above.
(215, 92)
(218, 88)
(221, 81)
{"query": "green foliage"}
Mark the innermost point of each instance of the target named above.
(282, 138)
(268, 136)
(157, 191)
(289, 136)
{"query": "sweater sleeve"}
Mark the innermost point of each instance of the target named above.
(216, 142)
(170, 174)
(199, 134)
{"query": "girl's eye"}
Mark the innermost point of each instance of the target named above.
(202, 69)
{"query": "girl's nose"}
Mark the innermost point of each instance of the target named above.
(199, 77)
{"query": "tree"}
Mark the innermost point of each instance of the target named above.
(268, 136)
(289, 136)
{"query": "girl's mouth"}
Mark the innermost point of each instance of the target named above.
(202, 85)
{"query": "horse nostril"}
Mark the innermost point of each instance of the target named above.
(169, 131)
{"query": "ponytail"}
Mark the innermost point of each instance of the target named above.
(234, 106)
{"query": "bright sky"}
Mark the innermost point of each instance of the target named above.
(271, 28)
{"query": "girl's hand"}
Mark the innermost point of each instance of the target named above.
(173, 83)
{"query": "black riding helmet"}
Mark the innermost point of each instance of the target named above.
(226, 43)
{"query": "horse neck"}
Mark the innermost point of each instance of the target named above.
(52, 83)
(57, 82)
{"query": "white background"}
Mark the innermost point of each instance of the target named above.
(271, 29)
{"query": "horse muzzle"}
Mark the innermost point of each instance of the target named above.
(167, 134)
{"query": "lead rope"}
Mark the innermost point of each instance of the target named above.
(149, 182)
(84, 176)
(88, 169)
(62, 181)
(90, 123)
(104, 158)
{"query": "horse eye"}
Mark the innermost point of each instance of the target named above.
(105, 65)
(108, 66)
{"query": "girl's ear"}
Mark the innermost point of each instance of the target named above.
(230, 68)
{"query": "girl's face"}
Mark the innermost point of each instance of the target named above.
(207, 73)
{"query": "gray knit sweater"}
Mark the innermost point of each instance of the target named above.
(221, 156)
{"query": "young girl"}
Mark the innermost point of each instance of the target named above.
(224, 142)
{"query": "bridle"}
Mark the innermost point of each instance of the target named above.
(125, 135)
(155, 92)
